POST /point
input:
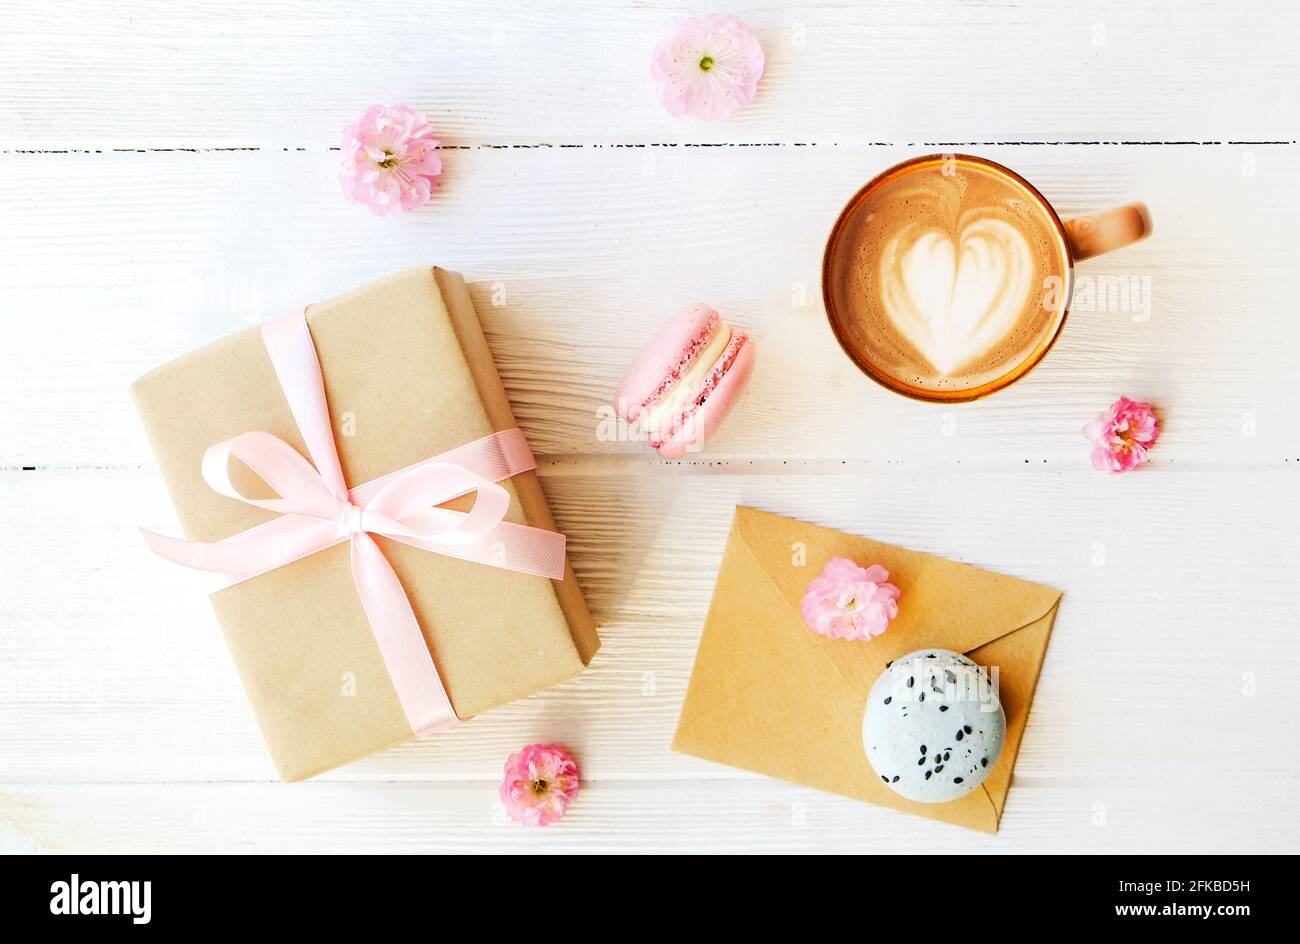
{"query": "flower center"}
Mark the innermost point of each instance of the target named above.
(539, 786)
(390, 159)
(706, 63)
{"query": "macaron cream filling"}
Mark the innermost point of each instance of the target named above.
(664, 412)
(685, 381)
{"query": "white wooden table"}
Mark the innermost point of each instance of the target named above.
(167, 175)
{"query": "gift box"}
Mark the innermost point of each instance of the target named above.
(408, 383)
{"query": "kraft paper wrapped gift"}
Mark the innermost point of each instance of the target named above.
(768, 694)
(407, 376)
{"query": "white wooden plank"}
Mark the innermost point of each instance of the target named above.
(1100, 816)
(573, 198)
(116, 263)
(145, 73)
(1173, 650)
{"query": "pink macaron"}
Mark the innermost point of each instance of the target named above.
(686, 380)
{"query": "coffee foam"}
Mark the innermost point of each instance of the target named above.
(945, 278)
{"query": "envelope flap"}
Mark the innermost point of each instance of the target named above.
(963, 607)
(742, 643)
(1017, 660)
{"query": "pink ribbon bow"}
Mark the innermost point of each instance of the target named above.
(317, 510)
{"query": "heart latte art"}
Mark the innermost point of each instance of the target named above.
(954, 301)
(947, 280)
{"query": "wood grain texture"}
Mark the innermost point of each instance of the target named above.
(96, 273)
(731, 817)
(193, 74)
(1172, 649)
(166, 177)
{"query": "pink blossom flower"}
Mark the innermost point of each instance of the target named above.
(541, 780)
(846, 601)
(390, 160)
(707, 67)
(1121, 435)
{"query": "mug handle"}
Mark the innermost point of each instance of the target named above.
(1095, 233)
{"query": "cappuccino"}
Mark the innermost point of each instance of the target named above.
(947, 277)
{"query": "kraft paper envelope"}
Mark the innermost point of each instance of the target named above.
(769, 695)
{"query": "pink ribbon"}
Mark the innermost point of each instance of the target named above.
(317, 510)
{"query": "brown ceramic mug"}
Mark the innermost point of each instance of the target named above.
(948, 277)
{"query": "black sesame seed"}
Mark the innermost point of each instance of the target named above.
(939, 768)
(884, 778)
(927, 775)
(910, 680)
(888, 699)
(922, 748)
(960, 735)
(949, 676)
(984, 761)
(943, 707)
(966, 728)
(956, 779)
(920, 760)
(921, 697)
(895, 779)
